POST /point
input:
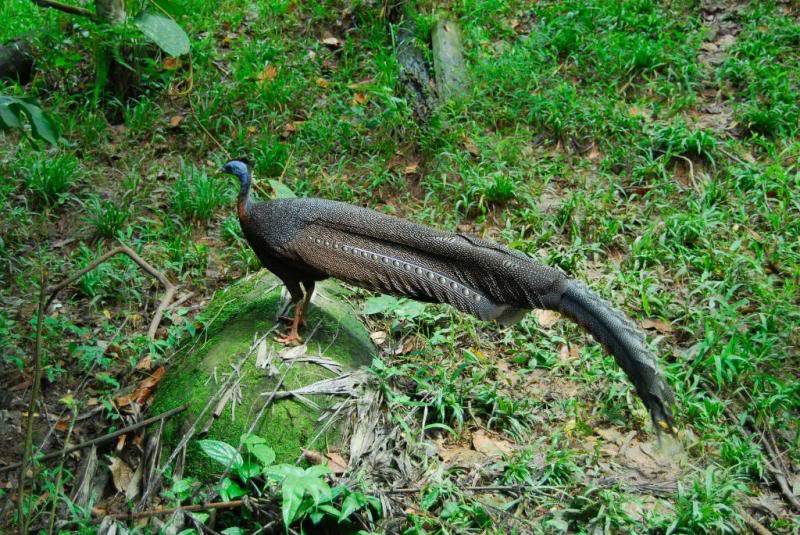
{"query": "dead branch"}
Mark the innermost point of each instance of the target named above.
(775, 464)
(480, 488)
(66, 8)
(185, 509)
(448, 59)
(37, 379)
(755, 526)
(105, 438)
(169, 293)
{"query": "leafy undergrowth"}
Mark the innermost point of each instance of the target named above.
(651, 150)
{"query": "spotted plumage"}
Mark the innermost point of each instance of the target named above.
(307, 240)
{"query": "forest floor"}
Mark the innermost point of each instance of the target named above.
(650, 149)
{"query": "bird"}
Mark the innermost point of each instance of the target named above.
(306, 240)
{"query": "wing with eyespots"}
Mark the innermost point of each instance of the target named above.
(501, 275)
(394, 268)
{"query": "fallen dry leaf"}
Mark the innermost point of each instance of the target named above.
(657, 324)
(267, 74)
(62, 426)
(360, 83)
(546, 318)
(290, 128)
(359, 98)
(175, 121)
(493, 447)
(332, 42)
(170, 63)
(470, 145)
(379, 337)
(336, 462)
(121, 474)
(610, 435)
(636, 111)
(460, 456)
(405, 348)
(568, 353)
(144, 391)
(313, 457)
(411, 168)
(145, 363)
(322, 82)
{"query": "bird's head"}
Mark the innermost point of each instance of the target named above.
(239, 169)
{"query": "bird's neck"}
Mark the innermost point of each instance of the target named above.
(244, 202)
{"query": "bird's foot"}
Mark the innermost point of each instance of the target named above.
(289, 339)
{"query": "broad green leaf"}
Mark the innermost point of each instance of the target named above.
(232, 531)
(8, 119)
(350, 505)
(200, 517)
(249, 470)
(223, 453)
(248, 439)
(410, 309)
(164, 32)
(12, 110)
(379, 304)
(263, 453)
(230, 490)
(282, 471)
(281, 190)
(317, 470)
(292, 492)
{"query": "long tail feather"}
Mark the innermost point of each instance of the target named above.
(623, 339)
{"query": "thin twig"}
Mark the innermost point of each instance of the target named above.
(169, 293)
(66, 8)
(37, 379)
(104, 438)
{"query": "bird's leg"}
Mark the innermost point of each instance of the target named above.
(293, 336)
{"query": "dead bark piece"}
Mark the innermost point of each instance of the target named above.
(82, 492)
(16, 61)
(415, 72)
(448, 60)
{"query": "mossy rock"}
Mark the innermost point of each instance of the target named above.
(235, 317)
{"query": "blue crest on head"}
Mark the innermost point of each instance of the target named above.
(238, 169)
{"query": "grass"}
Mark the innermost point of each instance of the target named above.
(585, 141)
(50, 179)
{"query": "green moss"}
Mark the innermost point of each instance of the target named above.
(234, 319)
